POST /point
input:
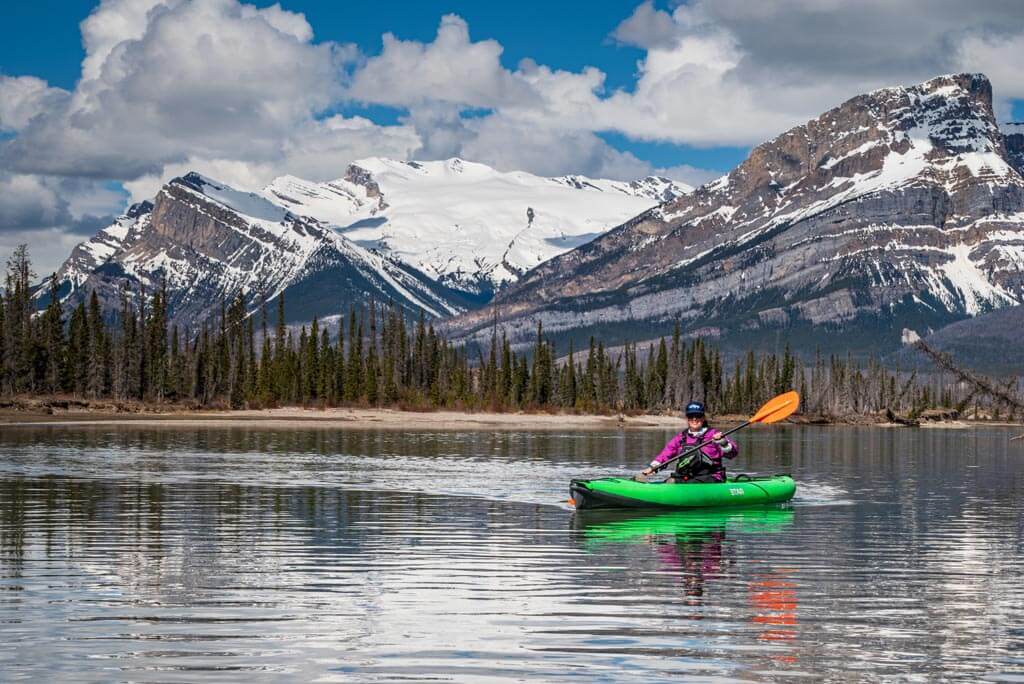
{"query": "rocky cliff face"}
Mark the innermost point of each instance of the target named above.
(899, 209)
(1014, 136)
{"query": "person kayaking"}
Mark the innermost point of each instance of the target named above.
(707, 465)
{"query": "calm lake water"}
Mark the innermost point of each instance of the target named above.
(174, 554)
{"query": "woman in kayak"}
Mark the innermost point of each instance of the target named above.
(707, 465)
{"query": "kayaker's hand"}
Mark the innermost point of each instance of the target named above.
(720, 440)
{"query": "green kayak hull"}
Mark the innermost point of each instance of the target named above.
(742, 490)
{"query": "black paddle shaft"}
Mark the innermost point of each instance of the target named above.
(697, 448)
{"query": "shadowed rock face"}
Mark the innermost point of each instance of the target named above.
(1015, 145)
(899, 208)
(989, 343)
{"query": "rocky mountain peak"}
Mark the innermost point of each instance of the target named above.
(941, 131)
(138, 209)
(460, 230)
(208, 243)
(359, 176)
(901, 199)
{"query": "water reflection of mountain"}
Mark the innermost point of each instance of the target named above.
(153, 549)
(192, 533)
(310, 438)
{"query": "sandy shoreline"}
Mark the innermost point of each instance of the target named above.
(392, 419)
(351, 418)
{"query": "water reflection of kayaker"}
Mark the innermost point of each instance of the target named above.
(695, 546)
(773, 596)
(696, 559)
(707, 465)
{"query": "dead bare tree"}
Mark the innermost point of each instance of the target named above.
(979, 385)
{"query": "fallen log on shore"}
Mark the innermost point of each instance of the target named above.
(899, 420)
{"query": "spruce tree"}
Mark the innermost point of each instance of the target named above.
(78, 351)
(325, 369)
(340, 381)
(568, 393)
(4, 380)
(98, 372)
(280, 377)
(20, 345)
(251, 386)
(505, 374)
(53, 330)
(354, 376)
(176, 367)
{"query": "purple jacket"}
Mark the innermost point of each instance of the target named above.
(684, 440)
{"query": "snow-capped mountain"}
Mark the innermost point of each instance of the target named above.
(435, 236)
(463, 224)
(93, 253)
(207, 242)
(895, 213)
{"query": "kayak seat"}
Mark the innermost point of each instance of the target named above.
(705, 478)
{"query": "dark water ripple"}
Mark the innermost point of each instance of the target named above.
(241, 554)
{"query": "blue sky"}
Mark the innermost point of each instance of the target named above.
(102, 102)
(42, 38)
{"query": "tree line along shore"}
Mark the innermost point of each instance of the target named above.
(381, 356)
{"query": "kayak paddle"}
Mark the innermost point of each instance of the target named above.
(779, 408)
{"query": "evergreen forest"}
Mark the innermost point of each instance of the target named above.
(380, 355)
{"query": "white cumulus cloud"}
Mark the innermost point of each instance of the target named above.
(25, 97)
(246, 93)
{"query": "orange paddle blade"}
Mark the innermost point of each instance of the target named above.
(777, 409)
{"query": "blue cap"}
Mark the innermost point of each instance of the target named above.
(695, 409)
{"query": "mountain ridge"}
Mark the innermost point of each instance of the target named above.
(465, 224)
(206, 241)
(896, 204)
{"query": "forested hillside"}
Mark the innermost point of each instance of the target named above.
(383, 356)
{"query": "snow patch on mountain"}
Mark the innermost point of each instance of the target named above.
(435, 236)
(275, 227)
(464, 224)
(87, 256)
(248, 204)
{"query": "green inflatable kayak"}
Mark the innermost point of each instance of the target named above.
(738, 490)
